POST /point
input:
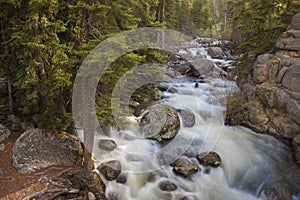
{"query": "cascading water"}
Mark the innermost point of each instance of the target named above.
(250, 162)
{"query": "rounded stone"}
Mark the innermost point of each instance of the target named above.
(185, 167)
(107, 144)
(111, 169)
(160, 122)
(167, 186)
(209, 159)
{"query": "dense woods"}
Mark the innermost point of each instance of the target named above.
(44, 42)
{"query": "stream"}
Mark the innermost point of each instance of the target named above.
(250, 162)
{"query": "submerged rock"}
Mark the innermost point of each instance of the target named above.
(167, 186)
(4, 133)
(185, 167)
(107, 145)
(110, 169)
(36, 149)
(160, 122)
(278, 191)
(215, 52)
(188, 118)
(165, 87)
(209, 159)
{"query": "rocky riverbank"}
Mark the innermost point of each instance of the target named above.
(270, 93)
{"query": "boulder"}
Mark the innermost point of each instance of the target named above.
(263, 59)
(4, 133)
(167, 186)
(122, 178)
(188, 118)
(165, 87)
(185, 167)
(281, 99)
(293, 109)
(201, 66)
(290, 43)
(36, 149)
(291, 79)
(293, 33)
(295, 23)
(110, 170)
(261, 72)
(296, 148)
(160, 122)
(107, 144)
(215, 52)
(209, 159)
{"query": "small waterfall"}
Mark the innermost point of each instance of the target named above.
(249, 161)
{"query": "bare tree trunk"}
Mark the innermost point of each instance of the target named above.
(86, 101)
(8, 74)
(85, 24)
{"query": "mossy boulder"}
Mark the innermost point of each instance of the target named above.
(185, 167)
(160, 122)
(209, 159)
(111, 169)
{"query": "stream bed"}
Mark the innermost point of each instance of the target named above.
(253, 166)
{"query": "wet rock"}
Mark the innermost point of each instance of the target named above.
(278, 191)
(291, 79)
(107, 144)
(185, 167)
(160, 122)
(158, 95)
(215, 52)
(188, 118)
(122, 178)
(209, 159)
(36, 149)
(167, 186)
(293, 109)
(296, 148)
(202, 66)
(4, 133)
(165, 87)
(110, 169)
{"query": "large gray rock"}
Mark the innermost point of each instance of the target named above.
(290, 43)
(202, 66)
(293, 33)
(4, 133)
(291, 79)
(261, 72)
(160, 122)
(215, 52)
(36, 149)
(295, 23)
(281, 99)
(293, 109)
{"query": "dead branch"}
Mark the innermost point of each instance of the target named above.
(37, 194)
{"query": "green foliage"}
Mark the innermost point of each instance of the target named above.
(257, 25)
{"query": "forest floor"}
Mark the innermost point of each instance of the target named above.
(18, 186)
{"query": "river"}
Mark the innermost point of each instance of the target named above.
(251, 162)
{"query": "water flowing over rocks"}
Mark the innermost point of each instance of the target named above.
(110, 169)
(185, 167)
(36, 149)
(160, 122)
(272, 91)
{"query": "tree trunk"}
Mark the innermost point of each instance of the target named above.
(8, 73)
(85, 24)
